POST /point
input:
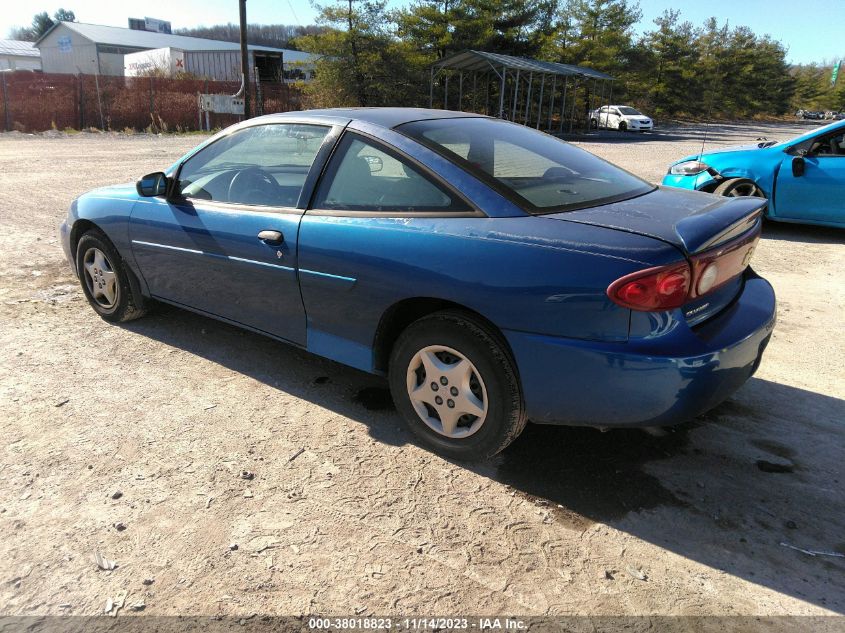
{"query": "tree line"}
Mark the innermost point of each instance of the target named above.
(275, 35)
(813, 90)
(374, 56)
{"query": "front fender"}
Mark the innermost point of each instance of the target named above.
(109, 209)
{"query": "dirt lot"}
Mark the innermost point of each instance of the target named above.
(169, 410)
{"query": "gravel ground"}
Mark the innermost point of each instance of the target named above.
(148, 426)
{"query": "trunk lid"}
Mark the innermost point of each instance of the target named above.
(690, 220)
(703, 227)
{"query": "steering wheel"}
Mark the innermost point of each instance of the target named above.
(253, 185)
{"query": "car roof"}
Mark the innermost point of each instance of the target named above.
(384, 117)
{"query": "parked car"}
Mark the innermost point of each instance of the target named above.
(803, 178)
(493, 273)
(811, 115)
(620, 117)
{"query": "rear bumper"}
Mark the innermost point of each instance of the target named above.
(648, 382)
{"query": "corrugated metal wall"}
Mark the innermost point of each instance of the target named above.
(218, 65)
(19, 62)
(65, 51)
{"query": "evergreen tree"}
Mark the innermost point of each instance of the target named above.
(361, 62)
(673, 59)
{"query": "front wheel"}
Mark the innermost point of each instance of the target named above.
(455, 385)
(623, 127)
(738, 187)
(105, 279)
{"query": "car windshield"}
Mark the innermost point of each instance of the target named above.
(539, 172)
(629, 111)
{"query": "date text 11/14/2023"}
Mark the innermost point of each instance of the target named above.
(417, 623)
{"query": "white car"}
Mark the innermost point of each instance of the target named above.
(620, 117)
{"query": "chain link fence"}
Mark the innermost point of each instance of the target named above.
(34, 102)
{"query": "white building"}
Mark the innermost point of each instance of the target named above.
(15, 55)
(73, 48)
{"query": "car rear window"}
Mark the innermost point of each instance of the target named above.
(538, 171)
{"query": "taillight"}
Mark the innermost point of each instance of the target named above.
(661, 288)
(707, 278)
(719, 265)
(671, 286)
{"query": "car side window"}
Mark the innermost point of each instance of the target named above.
(829, 146)
(366, 176)
(264, 165)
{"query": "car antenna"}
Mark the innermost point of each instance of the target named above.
(707, 120)
(710, 105)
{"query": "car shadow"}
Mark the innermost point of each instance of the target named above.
(725, 490)
(615, 137)
(803, 233)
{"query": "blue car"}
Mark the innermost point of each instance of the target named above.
(493, 273)
(803, 178)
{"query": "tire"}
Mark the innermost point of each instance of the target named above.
(104, 278)
(623, 127)
(738, 187)
(448, 340)
(594, 125)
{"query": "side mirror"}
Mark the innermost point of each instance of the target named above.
(798, 166)
(151, 185)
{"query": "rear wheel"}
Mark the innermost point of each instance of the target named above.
(623, 127)
(594, 124)
(105, 279)
(456, 386)
(738, 187)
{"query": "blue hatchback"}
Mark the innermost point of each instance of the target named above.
(803, 178)
(493, 273)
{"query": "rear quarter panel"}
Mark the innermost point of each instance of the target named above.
(529, 274)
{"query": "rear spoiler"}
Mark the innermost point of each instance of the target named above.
(702, 231)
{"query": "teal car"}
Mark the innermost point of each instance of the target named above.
(803, 178)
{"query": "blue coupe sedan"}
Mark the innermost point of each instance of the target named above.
(803, 178)
(493, 273)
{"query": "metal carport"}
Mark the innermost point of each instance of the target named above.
(502, 77)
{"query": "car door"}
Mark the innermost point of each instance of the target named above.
(614, 117)
(818, 195)
(371, 236)
(225, 241)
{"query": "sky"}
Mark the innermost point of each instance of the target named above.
(812, 30)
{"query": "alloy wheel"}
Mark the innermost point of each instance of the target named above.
(100, 278)
(745, 189)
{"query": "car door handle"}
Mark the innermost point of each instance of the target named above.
(273, 238)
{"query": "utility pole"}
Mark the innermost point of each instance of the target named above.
(244, 58)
